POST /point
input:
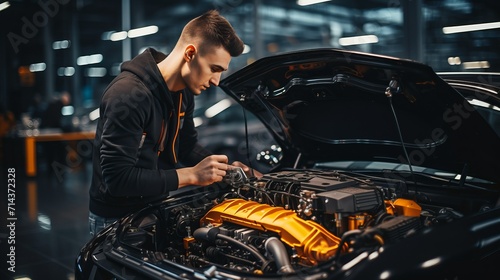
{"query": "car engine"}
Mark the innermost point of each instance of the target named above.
(278, 224)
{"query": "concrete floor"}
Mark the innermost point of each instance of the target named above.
(50, 218)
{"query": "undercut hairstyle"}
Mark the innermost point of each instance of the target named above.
(212, 30)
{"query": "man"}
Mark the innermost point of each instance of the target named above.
(146, 143)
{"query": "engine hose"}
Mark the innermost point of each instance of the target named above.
(343, 240)
(242, 245)
(277, 250)
(211, 234)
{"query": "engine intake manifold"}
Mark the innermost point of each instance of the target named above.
(312, 242)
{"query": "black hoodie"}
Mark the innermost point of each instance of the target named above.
(144, 132)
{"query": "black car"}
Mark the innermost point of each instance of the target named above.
(386, 171)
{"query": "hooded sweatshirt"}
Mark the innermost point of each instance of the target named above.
(143, 134)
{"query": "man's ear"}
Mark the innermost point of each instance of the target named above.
(189, 52)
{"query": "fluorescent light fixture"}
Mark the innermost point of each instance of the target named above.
(44, 221)
(454, 60)
(217, 108)
(106, 36)
(96, 72)
(118, 36)
(58, 45)
(67, 110)
(4, 5)
(310, 2)
(476, 64)
(197, 121)
(38, 67)
(143, 31)
(94, 115)
(246, 49)
(65, 71)
(470, 27)
(431, 262)
(358, 40)
(132, 33)
(89, 59)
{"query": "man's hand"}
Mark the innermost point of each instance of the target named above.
(211, 169)
(248, 171)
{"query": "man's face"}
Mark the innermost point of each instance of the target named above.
(205, 70)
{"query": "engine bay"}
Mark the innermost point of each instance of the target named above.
(283, 223)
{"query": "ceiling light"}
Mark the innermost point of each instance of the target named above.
(476, 64)
(96, 72)
(89, 59)
(454, 60)
(38, 67)
(217, 108)
(358, 40)
(470, 27)
(4, 5)
(118, 36)
(143, 31)
(65, 71)
(431, 262)
(246, 49)
(106, 36)
(94, 115)
(58, 45)
(197, 121)
(310, 2)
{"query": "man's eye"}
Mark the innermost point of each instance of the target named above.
(216, 69)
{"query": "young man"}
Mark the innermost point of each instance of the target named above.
(146, 143)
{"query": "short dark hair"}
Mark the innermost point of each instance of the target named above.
(213, 30)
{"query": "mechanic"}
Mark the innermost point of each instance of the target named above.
(146, 143)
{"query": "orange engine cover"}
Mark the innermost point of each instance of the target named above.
(313, 243)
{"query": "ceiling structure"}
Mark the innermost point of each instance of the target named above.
(29, 29)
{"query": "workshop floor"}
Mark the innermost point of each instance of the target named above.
(51, 222)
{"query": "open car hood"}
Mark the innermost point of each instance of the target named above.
(333, 105)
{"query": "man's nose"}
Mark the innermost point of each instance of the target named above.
(215, 79)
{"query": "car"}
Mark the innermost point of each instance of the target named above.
(381, 170)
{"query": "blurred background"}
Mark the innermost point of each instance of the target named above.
(57, 56)
(52, 46)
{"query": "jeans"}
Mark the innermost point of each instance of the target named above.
(98, 223)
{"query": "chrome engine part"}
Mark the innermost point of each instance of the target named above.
(235, 176)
